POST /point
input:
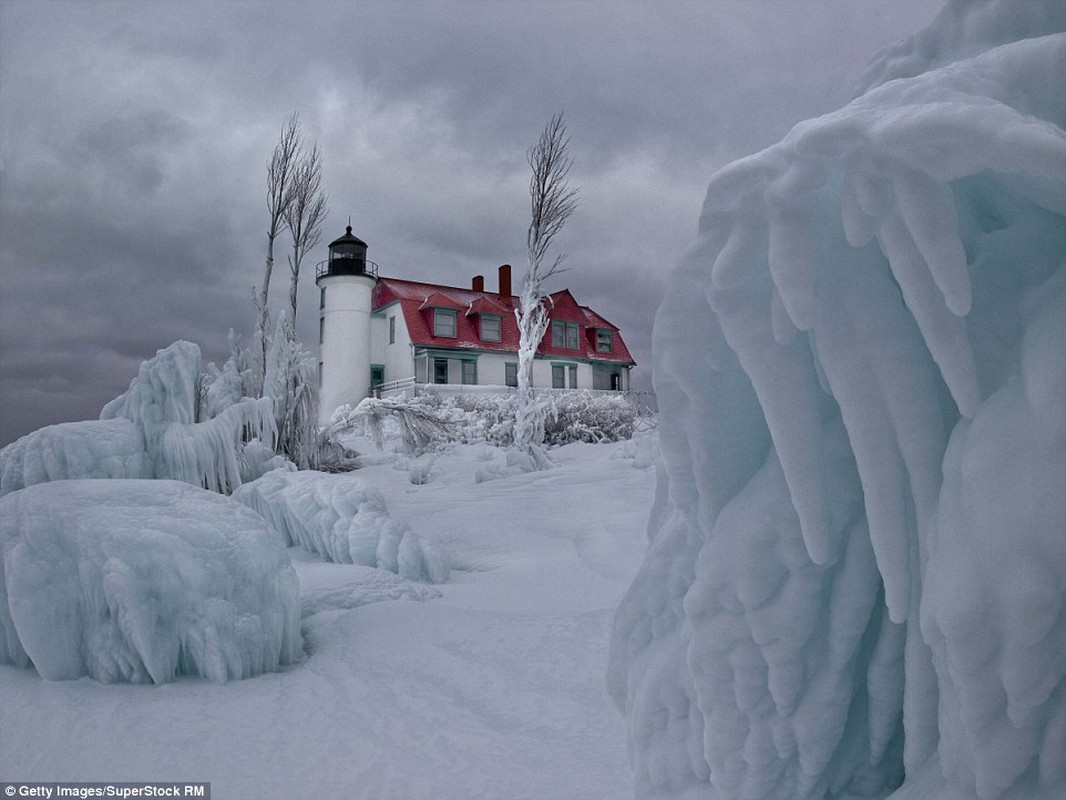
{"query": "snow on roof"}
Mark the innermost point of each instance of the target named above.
(417, 301)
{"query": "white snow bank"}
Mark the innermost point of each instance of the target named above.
(338, 587)
(344, 520)
(130, 580)
(857, 570)
(150, 431)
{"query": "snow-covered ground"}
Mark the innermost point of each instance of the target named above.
(490, 685)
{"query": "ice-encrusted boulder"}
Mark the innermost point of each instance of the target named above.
(150, 431)
(142, 580)
(343, 519)
(856, 578)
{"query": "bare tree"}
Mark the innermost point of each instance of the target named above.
(282, 370)
(304, 215)
(552, 201)
(280, 171)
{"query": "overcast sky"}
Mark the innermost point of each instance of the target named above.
(134, 138)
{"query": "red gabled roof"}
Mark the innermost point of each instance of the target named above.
(417, 301)
(483, 305)
(438, 300)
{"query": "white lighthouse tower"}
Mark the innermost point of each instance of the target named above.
(347, 282)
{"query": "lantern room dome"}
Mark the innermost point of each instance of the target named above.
(348, 238)
(347, 256)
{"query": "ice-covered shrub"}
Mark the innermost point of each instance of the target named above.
(138, 580)
(342, 519)
(150, 431)
(587, 417)
(856, 576)
(429, 418)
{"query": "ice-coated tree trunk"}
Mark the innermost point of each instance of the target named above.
(532, 325)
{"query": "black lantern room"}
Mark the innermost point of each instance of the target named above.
(347, 255)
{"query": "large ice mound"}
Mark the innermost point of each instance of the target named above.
(856, 577)
(153, 430)
(345, 520)
(137, 580)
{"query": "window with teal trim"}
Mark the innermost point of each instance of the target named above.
(558, 376)
(490, 328)
(444, 322)
(470, 373)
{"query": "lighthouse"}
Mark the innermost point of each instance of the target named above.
(346, 282)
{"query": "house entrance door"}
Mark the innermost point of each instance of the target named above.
(440, 370)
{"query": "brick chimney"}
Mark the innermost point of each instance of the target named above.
(478, 284)
(505, 281)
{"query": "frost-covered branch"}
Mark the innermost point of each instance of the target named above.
(551, 200)
(280, 171)
(419, 426)
(304, 216)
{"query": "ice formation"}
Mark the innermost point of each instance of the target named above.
(344, 520)
(150, 431)
(856, 575)
(138, 580)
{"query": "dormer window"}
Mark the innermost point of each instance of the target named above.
(490, 328)
(565, 335)
(604, 341)
(444, 322)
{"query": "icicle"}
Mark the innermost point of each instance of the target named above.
(859, 226)
(871, 190)
(945, 334)
(743, 249)
(780, 322)
(206, 453)
(793, 254)
(790, 396)
(928, 210)
(849, 344)
(884, 682)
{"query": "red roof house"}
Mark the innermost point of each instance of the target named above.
(432, 333)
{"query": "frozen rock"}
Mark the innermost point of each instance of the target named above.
(856, 575)
(342, 519)
(138, 580)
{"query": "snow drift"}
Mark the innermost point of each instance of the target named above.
(856, 577)
(150, 431)
(135, 580)
(344, 520)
